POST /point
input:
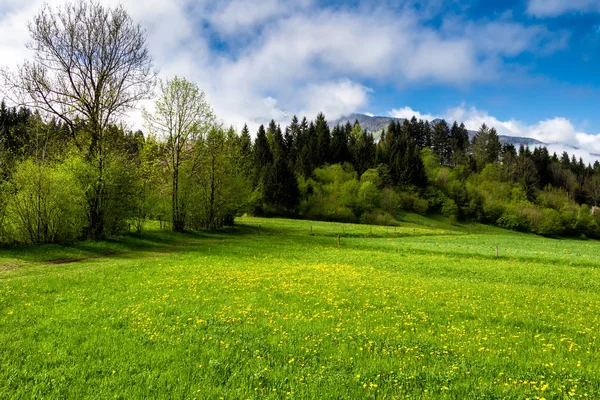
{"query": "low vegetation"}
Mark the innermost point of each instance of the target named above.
(273, 308)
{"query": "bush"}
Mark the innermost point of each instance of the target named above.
(390, 201)
(550, 223)
(435, 198)
(511, 221)
(492, 210)
(586, 224)
(421, 206)
(48, 204)
(368, 196)
(531, 217)
(449, 208)
(378, 218)
(5, 193)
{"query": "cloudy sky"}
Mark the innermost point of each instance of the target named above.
(527, 67)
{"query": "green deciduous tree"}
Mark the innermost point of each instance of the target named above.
(181, 116)
(90, 64)
(220, 185)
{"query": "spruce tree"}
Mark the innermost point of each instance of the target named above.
(479, 147)
(262, 151)
(339, 145)
(440, 142)
(293, 139)
(323, 140)
(493, 147)
(245, 142)
(460, 143)
(307, 158)
(280, 186)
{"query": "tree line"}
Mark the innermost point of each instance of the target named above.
(201, 176)
(344, 174)
(69, 169)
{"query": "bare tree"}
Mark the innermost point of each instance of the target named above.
(90, 66)
(181, 117)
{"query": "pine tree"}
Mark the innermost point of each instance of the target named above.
(262, 151)
(245, 142)
(363, 149)
(460, 143)
(292, 138)
(440, 142)
(280, 186)
(307, 159)
(339, 146)
(426, 134)
(542, 161)
(323, 140)
(405, 164)
(493, 147)
(486, 147)
(300, 139)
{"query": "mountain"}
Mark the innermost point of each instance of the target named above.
(375, 125)
(372, 124)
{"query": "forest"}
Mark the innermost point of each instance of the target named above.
(70, 170)
(206, 177)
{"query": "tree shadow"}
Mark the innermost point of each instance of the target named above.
(130, 245)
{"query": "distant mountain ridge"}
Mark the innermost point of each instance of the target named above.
(375, 124)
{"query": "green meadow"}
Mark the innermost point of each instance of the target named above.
(275, 308)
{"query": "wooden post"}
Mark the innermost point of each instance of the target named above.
(311, 229)
(339, 240)
(496, 251)
(259, 229)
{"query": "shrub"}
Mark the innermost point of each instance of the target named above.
(47, 205)
(390, 201)
(420, 206)
(550, 223)
(586, 224)
(378, 218)
(511, 221)
(492, 210)
(368, 195)
(449, 208)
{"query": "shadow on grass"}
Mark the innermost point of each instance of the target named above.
(131, 245)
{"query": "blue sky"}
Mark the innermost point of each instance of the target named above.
(527, 67)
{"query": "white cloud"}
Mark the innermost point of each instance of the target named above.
(334, 99)
(235, 16)
(258, 60)
(408, 113)
(553, 8)
(559, 133)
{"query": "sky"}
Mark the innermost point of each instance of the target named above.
(526, 67)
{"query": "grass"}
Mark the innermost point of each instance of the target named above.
(274, 308)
